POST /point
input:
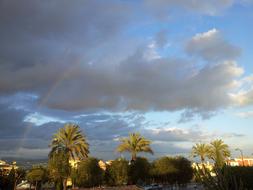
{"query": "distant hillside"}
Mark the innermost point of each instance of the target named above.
(25, 162)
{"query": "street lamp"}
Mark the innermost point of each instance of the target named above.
(238, 149)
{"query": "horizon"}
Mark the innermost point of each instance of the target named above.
(177, 72)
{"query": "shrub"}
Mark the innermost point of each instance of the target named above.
(243, 174)
(184, 172)
(163, 170)
(89, 174)
(37, 176)
(224, 179)
(171, 170)
(139, 171)
(59, 169)
(117, 172)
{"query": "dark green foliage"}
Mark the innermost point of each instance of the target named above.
(3, 180)
(184, 172)
(139, 171)
(11, 179)
(172, 170)
(59, 168)
(37, 176)
(134, 144)
(243, 174)
(117, 172)
(7, 180)
(163, 170)
(89, 174)
(223, 179)
(15, 177)
(74, 176)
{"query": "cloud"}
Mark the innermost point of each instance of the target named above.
(207, 7)
(246, 114)
(140, 84)
(103, 131)
(12, 125)
(211, 46)
(68, 61)
(243, 95)
(171, 134)
(42, 40)
(54, 56)
(137, 83)
(161, 39)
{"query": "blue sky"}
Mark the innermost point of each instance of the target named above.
(177, 71)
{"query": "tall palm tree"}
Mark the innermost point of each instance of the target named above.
(201, 150)
(134, 144)
(219, 152)
(70, 141)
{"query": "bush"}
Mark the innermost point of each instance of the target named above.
(37, 176)
(243, 174)
(89, 174)
(117, 172)
(184, 172)
(171, 170)
(139, 171)
(163, 170)
(59, 169)
(224, 179)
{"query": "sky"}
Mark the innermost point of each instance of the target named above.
(177, 71)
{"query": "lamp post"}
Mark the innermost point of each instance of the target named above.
(238, 149)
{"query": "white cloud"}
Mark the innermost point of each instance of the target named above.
(211, 46)
(246, 114)
(243, 95)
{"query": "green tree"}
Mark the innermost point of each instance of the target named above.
(59, 168)
(201, 150)
(172, 170)
(15, 176)
(134, 144)
(139, 171)
(184, 173)
(219, 152)
(117, 172)
(37, 175)
(89, 174)
(163, 170)
(70, 141)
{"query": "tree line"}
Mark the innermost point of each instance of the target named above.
(69, 143)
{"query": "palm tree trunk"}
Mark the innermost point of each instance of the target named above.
(133, 156)
(36, 185)
(15, 184)
(203, 165)
(65, 184)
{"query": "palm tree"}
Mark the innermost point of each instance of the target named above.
(202, 150)
(71, 142)
(219, 152)
(134, 144)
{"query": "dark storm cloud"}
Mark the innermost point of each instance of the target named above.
(12, 124)
(141, 84)
(42, 39)
(52, 51)
(103, 131)
(73, 60)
